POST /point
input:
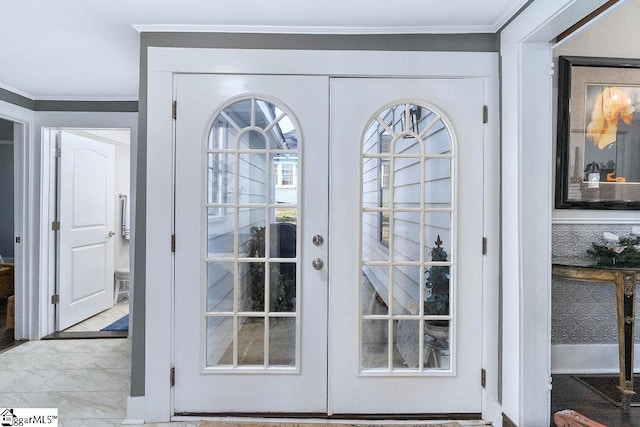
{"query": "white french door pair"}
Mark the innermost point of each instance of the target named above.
(328, 253)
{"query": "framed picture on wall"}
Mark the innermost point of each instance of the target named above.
(598, 140)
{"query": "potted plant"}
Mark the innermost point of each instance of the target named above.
(437, 303)
(282, 284)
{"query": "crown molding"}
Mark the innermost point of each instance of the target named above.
(87, 98)
(325, 30)
(17, 91)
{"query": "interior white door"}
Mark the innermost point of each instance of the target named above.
(86, 212)
(250, 195)
(406, 199)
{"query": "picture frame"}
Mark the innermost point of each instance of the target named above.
(598, 133)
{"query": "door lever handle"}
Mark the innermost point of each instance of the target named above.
(317, 263)
(111, 234)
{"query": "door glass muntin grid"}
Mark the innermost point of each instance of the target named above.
(250, 311)
(413, 334)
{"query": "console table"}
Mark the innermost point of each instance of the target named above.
(625, 279)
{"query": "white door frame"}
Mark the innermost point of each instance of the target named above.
(43, 314)
(527, 197)
(22, 167)
(163, 62)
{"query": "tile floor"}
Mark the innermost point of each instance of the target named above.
(89, 381)
(100, 320)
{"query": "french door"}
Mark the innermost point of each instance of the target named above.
(327, 245)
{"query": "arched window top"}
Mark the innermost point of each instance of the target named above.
(253, 123)
(409, 129)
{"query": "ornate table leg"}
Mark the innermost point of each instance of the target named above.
(626, 296)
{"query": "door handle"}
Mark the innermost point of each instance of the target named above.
(317, 263)
(111, 234)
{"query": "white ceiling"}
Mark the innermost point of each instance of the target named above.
(79, 49)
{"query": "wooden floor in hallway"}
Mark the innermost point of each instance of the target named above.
(570, 393)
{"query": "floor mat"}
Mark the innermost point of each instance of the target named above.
(122, 324)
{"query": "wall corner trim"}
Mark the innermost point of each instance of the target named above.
(135, 410)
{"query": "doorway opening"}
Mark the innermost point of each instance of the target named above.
(90, 225)
(7, 234)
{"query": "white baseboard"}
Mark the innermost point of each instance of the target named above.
(135, 410)
(587, 359)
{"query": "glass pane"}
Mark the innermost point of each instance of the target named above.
(252, 172)
(406, 343)
(406, 183)
(252, 223)
(220, 287)
(436, 344)
(437, 288)
(375, 343)
(372, 183)
(222, 135)
(437, 227)
(220, 228)
(407, 145)
(406, 236)
(282, 341)
(220, 341)
(283, 240)
(421, 118)
(240, 113)
(375, 236)
(250, 341)
(285, 178)
(282, 287)
(437, 140)
(374, 300)
(285, 215)
(251, 286)
(437, 185)
(406, 289)
(221, 177)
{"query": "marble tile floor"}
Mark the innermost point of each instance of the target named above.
(100, 320)
(89, 381)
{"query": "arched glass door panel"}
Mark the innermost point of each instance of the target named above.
(407, 235)
(251, 219)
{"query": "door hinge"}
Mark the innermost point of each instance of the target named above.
(55, 225)
(174, 109)
(56, 152)
(173, 243)
(172, 376)
(485, 114)
(484, 246)
(483, 378)
(55, 299)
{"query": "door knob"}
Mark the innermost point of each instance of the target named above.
(111, 234)
(318, 240)
(317, 263)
